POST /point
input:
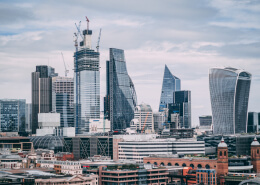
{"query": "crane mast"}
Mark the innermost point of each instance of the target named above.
(66, 70)
(98, 40)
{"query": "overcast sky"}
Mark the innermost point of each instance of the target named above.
(189, 36)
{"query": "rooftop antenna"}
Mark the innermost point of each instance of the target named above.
(66, 70)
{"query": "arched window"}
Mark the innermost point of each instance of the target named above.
(176, 164)
(183, 165)
(169, 164)
(207, 166)
(225, 153)
(192, 165)
(220, 153)
(155, 163)
(257, 151)
(148, 162)
(199, 166)
(162, 164)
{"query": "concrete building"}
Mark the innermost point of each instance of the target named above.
(41, 92)
(62, 100)
(16, 143)
(159, 121)
(74, 180)
(205, 120)
(136, 148)
(144, 117)
(47, 123)
(99, 125)
(63, 167)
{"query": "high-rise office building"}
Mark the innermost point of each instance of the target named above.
(87, 84)
(12, 115)
(171, 83)
(229, 93)
(121, 94)
(41, 92)
(253, 123)
(63, 100)
(183, 100)
(28, 117)
(205, 120)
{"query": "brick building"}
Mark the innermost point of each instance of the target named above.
(255, 155)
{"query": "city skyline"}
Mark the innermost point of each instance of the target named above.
(188, 41)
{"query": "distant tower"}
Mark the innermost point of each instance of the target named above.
(222, 162)
(171, 83)
(255, 155)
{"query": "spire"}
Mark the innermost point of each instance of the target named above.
(222, 143)
(255, 142)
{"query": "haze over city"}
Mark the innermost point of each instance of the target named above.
(188, 36)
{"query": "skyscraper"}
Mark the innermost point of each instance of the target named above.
(12, 115)
(253, 122)
(87, 78)
(121, 92)
(229, 93)
(171, 83)
(41, 92)
(28, 117)
(62, 100)
(183, 100)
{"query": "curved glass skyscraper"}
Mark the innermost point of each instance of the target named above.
(229, 93)
(171, 83)
(120, 91)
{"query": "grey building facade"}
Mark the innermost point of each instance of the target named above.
(205, 120)
(12, 115)
(121, 92)
(229, 93)
(28, 117)
(253, 122)
(170, 84)
(63, 100)
(41, 92)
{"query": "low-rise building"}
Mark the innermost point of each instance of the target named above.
(74, 180)
(64, 167)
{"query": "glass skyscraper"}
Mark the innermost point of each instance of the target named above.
(229, 93)
(182, 100)
(62, 100)
(87, 76)
(171, 83)
(12, 115)
(121, 93)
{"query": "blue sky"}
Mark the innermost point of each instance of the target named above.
(189, 36)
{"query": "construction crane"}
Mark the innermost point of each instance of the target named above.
(66, 70)
(98, 40)
(87, 23)
(78, 28)
(76, 83)
(145, 122)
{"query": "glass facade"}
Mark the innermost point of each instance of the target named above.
(229, 93)
(62, 100)
(12, 115)
(170, 84)
(87, 75)
(122, 95)
(183, 100)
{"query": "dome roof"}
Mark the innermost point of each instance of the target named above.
(255, 142)
(222, 143)
(144, 108)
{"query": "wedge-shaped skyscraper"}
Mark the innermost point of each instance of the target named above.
(121, 95)
(229, 93)
(171, 83)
